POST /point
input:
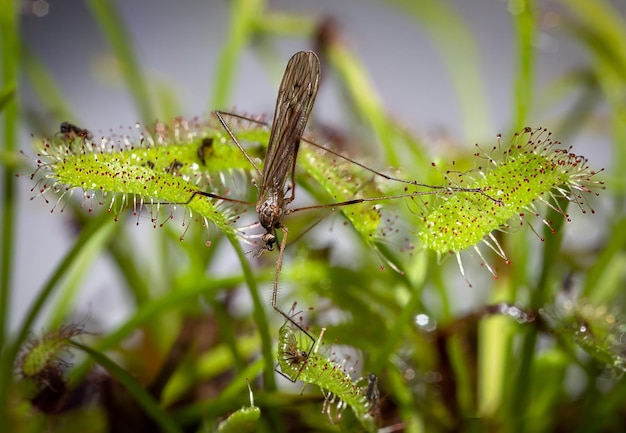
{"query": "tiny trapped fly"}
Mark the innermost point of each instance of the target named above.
(70, 130)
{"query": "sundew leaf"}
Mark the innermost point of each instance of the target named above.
(331, 376)
(162, 165)
(531, 170)
(343, 181)
(41, 356)
(243, 420)
(597, 329)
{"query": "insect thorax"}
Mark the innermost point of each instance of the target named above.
(270, 214)
(269, 217)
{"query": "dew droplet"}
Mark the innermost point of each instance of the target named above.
(515, 312)
(409, 374)
(425, 322)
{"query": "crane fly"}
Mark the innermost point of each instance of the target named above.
(296, 96)
(294, 103)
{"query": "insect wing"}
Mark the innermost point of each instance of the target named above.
(296, 96)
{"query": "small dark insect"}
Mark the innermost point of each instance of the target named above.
(293, 358)
(70, 130)
(174, 167)
(205, 149)
(371, 393)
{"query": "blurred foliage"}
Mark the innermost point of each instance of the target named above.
(543, 353)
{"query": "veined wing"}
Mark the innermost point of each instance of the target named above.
(296, 96)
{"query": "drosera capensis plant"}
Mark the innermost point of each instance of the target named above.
(425, 382)
(155, 167)
(531, 170)
(143, 167)
(166, 179)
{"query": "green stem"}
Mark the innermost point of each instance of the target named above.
(10, 59)
(397, 333)
(141, 396)
(118, 36)
(263, 326)
(228, 334)
(520, 398)
(259, 313)
(243, 15)
(524, 83)
(126, 263)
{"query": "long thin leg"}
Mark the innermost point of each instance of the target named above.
(363, 166)
(332, 152)
(219, 114)
(279, 265)
(211, 195)
(366, 199)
